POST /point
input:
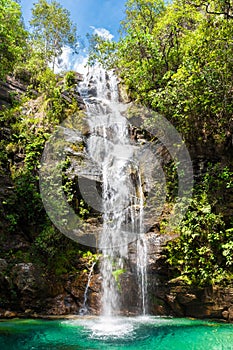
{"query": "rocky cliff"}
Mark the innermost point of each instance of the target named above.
(32, 286)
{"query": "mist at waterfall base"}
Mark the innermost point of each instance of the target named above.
(125, 333)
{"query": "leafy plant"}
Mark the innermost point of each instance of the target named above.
(116, 274)
(13, 36)
(200, 253)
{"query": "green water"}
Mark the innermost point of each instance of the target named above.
(120, 333)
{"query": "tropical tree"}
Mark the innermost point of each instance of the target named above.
(52, 29)
(176, 59)
(213, 7)
(12, 36)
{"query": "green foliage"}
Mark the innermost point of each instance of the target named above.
(28, 69)
(3, 155)
(217, 184)
(70, 190)
(13, 221)
(12, 36)
(20, 256)
(70, 79)
(200, 253)
(28, 207)
(101, 50)
(55, 251)
(28, 127)
(170, 170)
(228, 248)
(175, 59)
(48, 241)
(116, 274)
(58, 253)
(83, 209)
(68, 184)
(25, 209)
(213, 7)
(90, 257)
(53, 29)
(24, 147)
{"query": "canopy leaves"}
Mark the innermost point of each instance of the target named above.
(52, 29)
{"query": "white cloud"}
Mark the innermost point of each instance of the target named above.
(103, 33)
(80, 65)
(70, 61)
(67, 61)
(64, 62)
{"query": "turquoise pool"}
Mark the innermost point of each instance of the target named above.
(146, 332)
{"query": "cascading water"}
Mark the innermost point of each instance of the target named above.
(110, 148)
(142, 255)
(84, 308)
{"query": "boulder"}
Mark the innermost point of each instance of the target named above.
(31, 286)
(10, 314)
(62, 304)
(230, 313)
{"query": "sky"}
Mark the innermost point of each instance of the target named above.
(91, 16)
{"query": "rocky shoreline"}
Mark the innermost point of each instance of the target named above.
(64, 299)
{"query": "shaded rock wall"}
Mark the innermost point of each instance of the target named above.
(185, 301)
(26, 289)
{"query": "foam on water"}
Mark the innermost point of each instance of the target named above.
(113, 328)
(121, 333)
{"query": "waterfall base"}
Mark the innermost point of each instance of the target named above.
(121, 333)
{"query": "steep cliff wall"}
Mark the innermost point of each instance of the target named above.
(41, 274)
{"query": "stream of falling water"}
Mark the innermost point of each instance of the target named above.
(84, 308)
(110, 148)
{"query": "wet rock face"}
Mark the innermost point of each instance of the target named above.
(94, 295)
(174, 297)
(129, 297)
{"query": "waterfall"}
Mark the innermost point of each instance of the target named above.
(142, 254)
(84, 308)
(110, 148)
